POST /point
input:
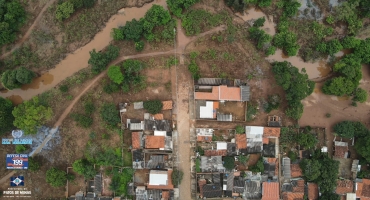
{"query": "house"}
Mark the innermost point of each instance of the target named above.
(204, 134)
(137, 140)
(94, 190)
(215, 152)
(138, 159)
(231, 149)
(344, 187)
(155, 142)
(228, 182)
(167, 105)
(363, 189)
(211, 164)
(271, 166)
(271, 132)
(225, 93)
(274, 121)
(211, 191)
(296, 171)
(157, 125)
(207, 109)
(270, 191)
(313, 191)
(135, 125)
(294, 191)
(241, 141)
(253, 186)
(160, 179)
(254, 139)
(141, 193)
(158, 116)
(340, 149)
(286, 168)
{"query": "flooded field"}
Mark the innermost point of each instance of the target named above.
(253, 13)
(77, 60)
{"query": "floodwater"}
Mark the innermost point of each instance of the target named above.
(15, 99)
(309, 10)
(253, 14)
(77, 60)
(314, 70)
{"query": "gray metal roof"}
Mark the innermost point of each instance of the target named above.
(138, 105)
(253, 190)
(211, 164)
(286, 168)
(156, 161)
(245, 92)
(159, 125)
(212, 81)
(224, 117)
(154, 194)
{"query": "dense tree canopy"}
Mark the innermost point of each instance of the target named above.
(100, 60)
(12, 17)
(311, 169)
(360, 95)
(30, 115)
(350, 42)
(133, 30)
(12, 79)
(329, 174)
(6, 117)
(286, 39)
(307, 140)
(177, 6)
(56, 177)
(64, 10)
(110, 114)
(329, 196)
(296, 85)
(85, 168)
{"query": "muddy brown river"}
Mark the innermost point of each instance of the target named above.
(77, 60)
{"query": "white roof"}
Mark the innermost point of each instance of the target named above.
(207, 111)
(343, 144)
(138, 105)
(221, 145)
(254, 131)
(160, 133)
(204, 131)
(324, 149)
(351, 196)
(157, 177)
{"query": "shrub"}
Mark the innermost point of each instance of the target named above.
(139, 46)
(85, 168)
(56, 177)
(273, 102)
(327, 115)
(99, 60)
(82, 120)
(20, 148)
(24, 75)
(153, 106)
(33, 164)
(64, 10)
(63, 88)
(110, 114)
(360, 95)
(270, 51)
(89, 107)
(115, 74)
(111, 88)
(333, 46)
(177, 176)
(117, 34)
(330, 19)
(194, 70)
(197, 21)
(229, 162)
(9, 80)
(350, 42)
(258, 167)
(307, 140)
(240, 129)
(243, 159)
(338, 86)
(259, 22)
(293, 156)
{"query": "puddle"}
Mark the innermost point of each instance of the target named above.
(77, 60)
(45, 79)
(15, 99)
(343, 98)
(253, 14)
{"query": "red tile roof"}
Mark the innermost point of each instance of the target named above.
(296, 171)
(271, 132)
(241, 141)
(158, 116)
(169, 185)
(363, 189)
(201, 183)
(154, 142)
(221, 92)
(215, 152)
(270, 191)
(265, 140)
(204, 138)
(313, 191)
(135, 137)
(300, 187)
(167, 105)
(340, 151)
(293, 196)
(344, 187)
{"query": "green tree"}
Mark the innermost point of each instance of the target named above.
(345, 129)
(155, 16)
(139, 46)
(20, 148)
(12, 17)
(229, 162)
(24, 75)
(290, 8)
(177, 176)
(258, 167)
(270, 51)
(118, 34)
(333, 46)
(6, 117)
(311, 169)
(287, 41)
(133, 30)
(153, 106)
(110, 114)
(30, 115)
(329, 173)
(243, 159)
(350, 42)
(177, 6)
(194, 70)
(115, 74)
(259, 22)
(307, 140)
(362, 147)
(360, 95)
(338, 86)
(239, 129)
(64, 10)
(33, 164)
(56, 177)
(330, 19)
(85, 168)
(329, 196)
(9, 80)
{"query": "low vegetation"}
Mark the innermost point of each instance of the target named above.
(197, 21)
(153, 106)
(177, 176)
(6, 116)
(56, 177)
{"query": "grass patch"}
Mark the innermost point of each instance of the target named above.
(251, 111)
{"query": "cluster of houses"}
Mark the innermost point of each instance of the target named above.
(151, 154)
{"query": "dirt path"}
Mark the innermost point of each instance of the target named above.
(29, 31)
